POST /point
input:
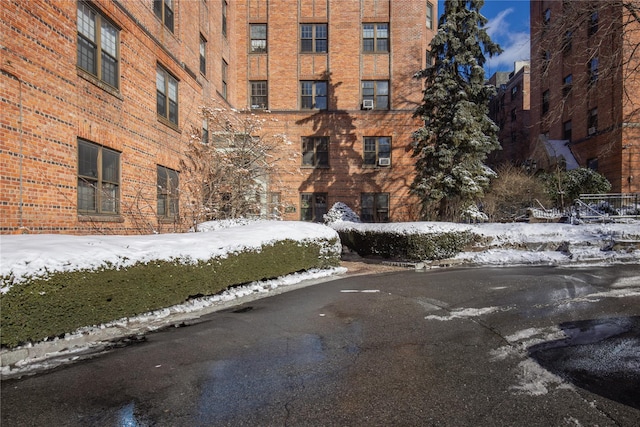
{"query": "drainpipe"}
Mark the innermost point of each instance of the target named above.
(20, 140)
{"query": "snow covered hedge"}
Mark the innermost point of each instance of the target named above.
(406, 241)
(52, 285)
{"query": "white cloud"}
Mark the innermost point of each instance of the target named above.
(515, 45)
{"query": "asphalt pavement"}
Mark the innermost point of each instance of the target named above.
(519, 346)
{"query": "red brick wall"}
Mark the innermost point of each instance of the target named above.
(47, 102)
(616, 150)
(345, 123)
(61, 103)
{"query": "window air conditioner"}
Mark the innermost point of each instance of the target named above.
(592, 130)
(384, 161)
(367, 104)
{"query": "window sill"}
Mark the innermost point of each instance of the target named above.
(99, 83)
(166, 122)
(376, 167)
(167, 220)
(100, 218)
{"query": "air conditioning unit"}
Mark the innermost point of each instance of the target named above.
(384, 161)
(591, 130)
(367, 104)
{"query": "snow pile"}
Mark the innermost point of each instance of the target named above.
(340, 212)
(523, 243)
(26, 256)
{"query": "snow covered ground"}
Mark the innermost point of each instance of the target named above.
(30, 255)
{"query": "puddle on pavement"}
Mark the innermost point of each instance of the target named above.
(598, 355)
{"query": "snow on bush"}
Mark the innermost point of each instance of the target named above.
(340, 212)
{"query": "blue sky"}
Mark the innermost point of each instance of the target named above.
(509, 27)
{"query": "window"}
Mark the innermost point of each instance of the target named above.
(313, 95)
(313, 38)
(546, 17)
(593, 71)
(258, 34)
(566, 130)
(430, 16)
(429, 59)
(258, 95)
(203, 55)
(513, 115)
(167, 193)
(376, 91)
(205, 131)
(592, 163)
(375, 207)
(592, 122)
(315, 151)
(514, 92)
(97, 45)
(225, 68)
(567, 84)
(313, 206)
(224, 17)
(377, 151)
(545, 102)
(593, 22)
(167, 95)
(164, 11)
(546, 60)
(375, 37)
(273, 205)
(98, 179)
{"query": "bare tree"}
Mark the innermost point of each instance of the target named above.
(229, 166)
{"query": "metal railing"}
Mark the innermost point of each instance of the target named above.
(607, 207)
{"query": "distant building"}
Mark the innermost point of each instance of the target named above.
(585, 86)
(99, 98)
(509, 109)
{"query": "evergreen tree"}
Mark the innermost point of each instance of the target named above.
(457, 135)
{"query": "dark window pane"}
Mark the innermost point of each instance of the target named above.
(382, 45)
(367, 45)
(168, 18)
(173, 112)
(321, 46)
(109, 70)
(382, 103)
(161, 103)
(109, 198)
(157, 8)
(306, 102)
(87, 160)
(321, 31)
(110, 161)
(86, 55)
(86, 195)
(306, 45)
(384, 147)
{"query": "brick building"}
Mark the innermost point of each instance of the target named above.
(585, 86)
(98, 100)
(509, 109)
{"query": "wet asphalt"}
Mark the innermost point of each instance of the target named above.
(518, 346)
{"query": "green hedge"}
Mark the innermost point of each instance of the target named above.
(63, 302)
(408, 247)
